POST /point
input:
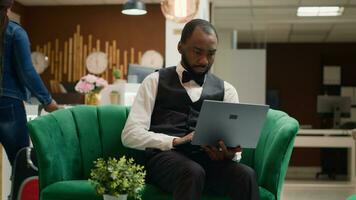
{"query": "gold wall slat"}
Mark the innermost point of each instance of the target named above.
(68, 60)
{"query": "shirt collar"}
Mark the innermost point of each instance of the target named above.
(180, 69)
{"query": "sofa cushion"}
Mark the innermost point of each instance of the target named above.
(70, 190)
(84, 190)
(266, 195)
(151, 192)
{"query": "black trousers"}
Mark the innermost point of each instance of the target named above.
(187, 175)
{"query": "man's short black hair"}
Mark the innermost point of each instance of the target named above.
(189, 28)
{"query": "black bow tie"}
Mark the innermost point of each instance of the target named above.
(186, 77)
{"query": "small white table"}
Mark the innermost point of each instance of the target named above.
(330, 138)
(127, 93)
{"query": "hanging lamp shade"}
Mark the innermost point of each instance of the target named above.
(134, 7)
(180, 11)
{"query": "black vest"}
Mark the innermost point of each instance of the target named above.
(174, 113)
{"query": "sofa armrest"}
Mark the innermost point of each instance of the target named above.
(274, 149)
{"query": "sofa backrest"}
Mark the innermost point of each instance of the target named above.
(69, 140)
(56, 143)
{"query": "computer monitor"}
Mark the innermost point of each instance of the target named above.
(334, 106)
(136, 73)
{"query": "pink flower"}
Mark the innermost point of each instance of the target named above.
(100, 82)
(90, 83)
(89, 78)
(84, 87)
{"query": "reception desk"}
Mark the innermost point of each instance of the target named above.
(330, 138)
(126, 93)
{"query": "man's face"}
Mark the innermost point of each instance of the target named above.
(198, 52)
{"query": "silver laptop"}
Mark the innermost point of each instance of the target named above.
(234, 123)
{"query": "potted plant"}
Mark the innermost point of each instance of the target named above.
(116, 73)
(117, 178)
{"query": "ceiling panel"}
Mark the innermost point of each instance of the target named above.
(311, 27)
(323, 2)
(229, 3)
(350, 12)
(275, 2)
(274, 11)
(279, 27)
(241, 27)
(232, 11)
(232, 25)
(259, 26)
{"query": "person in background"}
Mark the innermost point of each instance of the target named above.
(163, 118)
(18, 81)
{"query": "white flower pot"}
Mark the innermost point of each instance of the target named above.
(109, 197)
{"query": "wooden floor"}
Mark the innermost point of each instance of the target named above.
(317, 190)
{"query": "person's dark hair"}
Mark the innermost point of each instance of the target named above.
(4, 20)
(4, 5)
(189, 28)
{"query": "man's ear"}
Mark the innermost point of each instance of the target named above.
(179, 47)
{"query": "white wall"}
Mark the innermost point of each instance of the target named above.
(5, 174)
(244, 69)
(173, 33)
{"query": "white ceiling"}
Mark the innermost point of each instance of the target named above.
(258, 21)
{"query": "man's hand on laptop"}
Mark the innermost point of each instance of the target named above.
(222, 152)
(183, 140)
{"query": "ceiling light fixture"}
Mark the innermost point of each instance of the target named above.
(319, 11)
(180, 11)
(134, 7)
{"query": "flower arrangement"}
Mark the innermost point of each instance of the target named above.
(90, 83)
(117, 177)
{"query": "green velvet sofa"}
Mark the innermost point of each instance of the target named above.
(69, 140)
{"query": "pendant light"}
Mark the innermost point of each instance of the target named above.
(180, 11)
(134, 7)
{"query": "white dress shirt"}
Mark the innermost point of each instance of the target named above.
(136, 133)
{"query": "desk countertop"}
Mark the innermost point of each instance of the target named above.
(330, 132)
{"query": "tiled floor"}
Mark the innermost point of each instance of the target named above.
(317, 190)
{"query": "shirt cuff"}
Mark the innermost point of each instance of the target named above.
(167, 143)
(237, 157)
